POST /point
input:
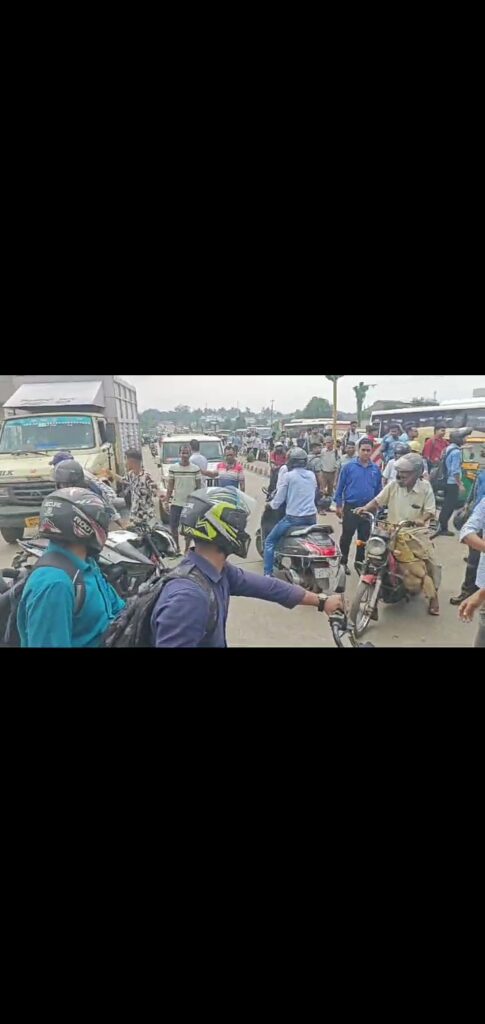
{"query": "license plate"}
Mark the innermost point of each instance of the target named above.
(321, 574)
(32, 522)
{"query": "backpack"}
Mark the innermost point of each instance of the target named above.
(133, 627)
(439, 475)
(10, 600)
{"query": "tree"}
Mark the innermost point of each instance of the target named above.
(424, 401)
(317, 409)
(360, 393)
(240, 423)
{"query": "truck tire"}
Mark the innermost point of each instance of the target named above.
(12, 534)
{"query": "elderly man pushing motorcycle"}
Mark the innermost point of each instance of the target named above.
(411, 499)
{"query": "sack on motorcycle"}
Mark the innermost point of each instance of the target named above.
(133, 628)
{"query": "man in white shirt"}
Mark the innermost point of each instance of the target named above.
(197, 459)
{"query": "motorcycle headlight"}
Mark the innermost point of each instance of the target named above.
(286, 563)
(376, 547)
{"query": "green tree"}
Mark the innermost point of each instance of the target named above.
(317, 409)
(360, 393)
(240, 423)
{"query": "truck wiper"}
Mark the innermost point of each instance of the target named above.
(25, 452)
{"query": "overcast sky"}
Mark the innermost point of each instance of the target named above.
(291, 392)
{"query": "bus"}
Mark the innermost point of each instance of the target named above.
(296, 427)
(452, 415)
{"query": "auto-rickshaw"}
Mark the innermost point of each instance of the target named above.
(473, 461)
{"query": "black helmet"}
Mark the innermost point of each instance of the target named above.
(297, 459)
(69, 474)
(75, 514)
(459, 436)
(401, 449)
(219, 516)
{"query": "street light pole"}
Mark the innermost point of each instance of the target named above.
(334, 377)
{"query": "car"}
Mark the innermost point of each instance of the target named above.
(210, 446)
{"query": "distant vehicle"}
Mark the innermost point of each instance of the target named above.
(95, 418)
(210, 446)
(296, 427)
(453, 415)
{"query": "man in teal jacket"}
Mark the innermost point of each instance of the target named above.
(69, 606)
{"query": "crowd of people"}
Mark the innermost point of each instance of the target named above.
(360, 474)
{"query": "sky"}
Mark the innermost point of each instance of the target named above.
(292, 392)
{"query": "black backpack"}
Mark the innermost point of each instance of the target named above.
(439, 474)
(133, 627)
(10, 599)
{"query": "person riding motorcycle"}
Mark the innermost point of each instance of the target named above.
(298, 489)
(76, 522)
(192, 609)
(409, 498)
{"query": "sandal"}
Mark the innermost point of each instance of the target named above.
(434, 607)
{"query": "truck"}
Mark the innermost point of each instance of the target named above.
(94, 417)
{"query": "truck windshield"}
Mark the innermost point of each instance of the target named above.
(47, 433)
(211, 449)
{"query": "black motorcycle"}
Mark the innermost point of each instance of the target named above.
(307, 555)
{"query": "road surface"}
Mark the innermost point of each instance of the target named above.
(257, 624)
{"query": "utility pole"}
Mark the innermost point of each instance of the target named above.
(271, 421)
(335, 379)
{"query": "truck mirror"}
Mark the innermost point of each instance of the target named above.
(111, 433)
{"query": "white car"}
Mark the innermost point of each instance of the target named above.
(210, 446)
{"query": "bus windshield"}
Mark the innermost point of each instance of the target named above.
(47, 434)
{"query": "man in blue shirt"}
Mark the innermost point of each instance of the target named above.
(192, 611)
(469, 585)
(390, 441)
(76, 522)
(472, 535)
(454, 486)
(298, 490)
(359, 483)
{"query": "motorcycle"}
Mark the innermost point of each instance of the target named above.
(309, 555)
(342, 633)
(381, 576)
(122, 564)
(153, 541)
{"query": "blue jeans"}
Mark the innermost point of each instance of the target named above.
(279, 531)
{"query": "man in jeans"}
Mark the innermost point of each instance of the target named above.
(298, 489)
(454, 484)
(359, 483)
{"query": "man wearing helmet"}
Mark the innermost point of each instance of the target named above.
(50, 615)
(70, 473)
(409, 498)
(192, 609)
(297, 489)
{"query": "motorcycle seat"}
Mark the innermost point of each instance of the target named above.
(304, 531)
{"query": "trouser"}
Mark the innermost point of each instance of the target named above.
(329, 483)
(470, 585)
(450, 504)
(350, 524)
(278, 532)
(480, 641)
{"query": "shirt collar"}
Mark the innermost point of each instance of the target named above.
(78, 562)
(206, 567)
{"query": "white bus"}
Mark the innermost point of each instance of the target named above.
(452, 415)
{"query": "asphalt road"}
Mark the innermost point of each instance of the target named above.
(258, 624)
